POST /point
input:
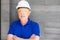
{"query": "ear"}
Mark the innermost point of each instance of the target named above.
(29, 13)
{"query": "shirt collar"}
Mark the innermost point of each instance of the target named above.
(28, 21)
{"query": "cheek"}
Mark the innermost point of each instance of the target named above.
(19, 15)
(28, 14)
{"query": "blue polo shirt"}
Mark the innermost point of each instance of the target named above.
(16, 28)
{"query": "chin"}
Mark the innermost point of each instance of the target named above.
(23, 19)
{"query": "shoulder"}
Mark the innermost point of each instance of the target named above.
(34, 23)
(14, 23)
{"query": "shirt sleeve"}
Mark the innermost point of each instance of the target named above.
(11, 29)
(36, 29)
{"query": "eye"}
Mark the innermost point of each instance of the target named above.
(19, 10)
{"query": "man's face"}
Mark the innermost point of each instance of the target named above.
(23, 13)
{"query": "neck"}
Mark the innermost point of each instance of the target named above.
(23, 22)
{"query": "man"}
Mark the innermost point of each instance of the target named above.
(24, 28)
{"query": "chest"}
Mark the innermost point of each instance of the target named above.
(23, 32)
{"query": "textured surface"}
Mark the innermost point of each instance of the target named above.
(45, 12)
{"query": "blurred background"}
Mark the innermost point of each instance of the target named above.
(45, 12)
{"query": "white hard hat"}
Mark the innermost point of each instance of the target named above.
(23, 3)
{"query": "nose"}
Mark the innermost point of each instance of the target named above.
(22, 13)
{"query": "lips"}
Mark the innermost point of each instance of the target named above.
(22, 16)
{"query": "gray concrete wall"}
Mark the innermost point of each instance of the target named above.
(5, 17)
(45, 12)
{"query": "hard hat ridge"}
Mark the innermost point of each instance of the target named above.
(23, 3)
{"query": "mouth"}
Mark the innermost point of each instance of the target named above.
(22, 16)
